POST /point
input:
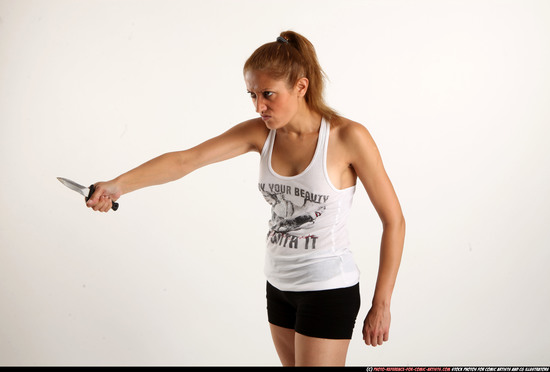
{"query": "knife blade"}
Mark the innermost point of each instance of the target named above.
(87, 192)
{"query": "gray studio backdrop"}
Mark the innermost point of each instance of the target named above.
(455, 93)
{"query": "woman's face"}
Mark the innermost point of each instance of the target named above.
(273, 100)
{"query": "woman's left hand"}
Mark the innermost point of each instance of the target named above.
(376, 328)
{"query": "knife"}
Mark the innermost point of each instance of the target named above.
(86, 191)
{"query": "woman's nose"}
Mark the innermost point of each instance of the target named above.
(260, 106)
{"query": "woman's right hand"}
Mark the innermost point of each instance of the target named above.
(104, 195)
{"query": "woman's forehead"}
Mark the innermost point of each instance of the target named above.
(261, 80)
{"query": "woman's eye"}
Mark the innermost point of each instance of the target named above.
(264, 94)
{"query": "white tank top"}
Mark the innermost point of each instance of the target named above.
(307, 243)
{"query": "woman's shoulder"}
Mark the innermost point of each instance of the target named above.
(255, 127)
(354, 142)
(255, 131)
(347, 130)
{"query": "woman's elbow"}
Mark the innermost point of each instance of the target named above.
(396, 222)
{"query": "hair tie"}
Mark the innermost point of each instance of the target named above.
(282, 40)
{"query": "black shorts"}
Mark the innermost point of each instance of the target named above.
(324, 314)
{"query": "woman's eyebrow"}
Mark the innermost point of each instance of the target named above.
(260, 90)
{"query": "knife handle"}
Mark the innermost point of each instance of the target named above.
(114, 205)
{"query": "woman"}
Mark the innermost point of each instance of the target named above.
(310, 161)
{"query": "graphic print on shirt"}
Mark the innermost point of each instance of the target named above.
(292, 209)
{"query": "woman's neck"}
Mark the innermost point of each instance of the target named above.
(304, 122)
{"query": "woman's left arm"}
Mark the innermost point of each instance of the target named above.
(367, 163)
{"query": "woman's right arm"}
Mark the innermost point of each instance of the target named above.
(242, 138)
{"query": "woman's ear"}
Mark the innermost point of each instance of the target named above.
(301, 86)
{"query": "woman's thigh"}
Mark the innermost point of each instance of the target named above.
(295, 349)
(313, 351)
(314, 327)
(283, 339)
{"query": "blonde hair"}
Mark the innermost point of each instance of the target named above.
(291, 58)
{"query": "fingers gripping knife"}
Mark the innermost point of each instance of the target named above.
(86, 191)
